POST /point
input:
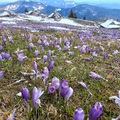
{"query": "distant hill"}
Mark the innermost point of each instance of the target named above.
(58, 3)
(95, 13)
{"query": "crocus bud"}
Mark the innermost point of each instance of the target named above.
(7, 55)
(11, 117)
(104, 55)
(50, 64)
(117, 98)
(65, 90)
(94, 75)
(36, 53)
(0, 57)
(51, 89)
(0, 47)
(49, 53)
(63, 87)
(54, 85)
(21, 56)
(79, 114)
(95, 111)
(4, 39)
(44, 58)
(1, 73)
(25, 93)
(35, 66)
(39, 42)
(68, 94)
(36, 94)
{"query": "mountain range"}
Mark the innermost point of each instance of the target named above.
(90, 12)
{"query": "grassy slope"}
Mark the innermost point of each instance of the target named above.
(53, 107)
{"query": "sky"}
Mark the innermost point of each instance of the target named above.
(84, 1)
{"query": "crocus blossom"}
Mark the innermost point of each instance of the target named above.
(5, 55)
(11, 117)
(0, 57)
(104, 55)
(25, 93)
(4, 39)
(31, 45)
(87, 59)
(95, 111)
(79, 114)
(54, 85)
(36, 94)
(117, 98)
(35, 67)
(44, 74)
(44, 58)
(94, 75)
(21, 56)
(36, 53)
(39, 42)
(84, 85)
(65, 91)
(1, 73)
(0, 47)
(116, 118)
(94, 54)
(115, 52)
(49, 53)
(50, 64)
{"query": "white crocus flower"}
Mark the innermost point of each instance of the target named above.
(117, 98)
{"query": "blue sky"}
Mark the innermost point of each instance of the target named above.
(88, 1)
(98, 1)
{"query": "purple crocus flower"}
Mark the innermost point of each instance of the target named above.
(3, 54)
(31, 45)
(44, 74)
(71, 53)
(54, 85)
(87, 59)
(44, 58)
(50, 64)
(101, 48)
(7, 55)
(39, 42)
(94, 54)
(4, 39)
(83, 49)
(0, 57)
(25, 93)
(105, 55)
(36, 94)
(63, 87)
(11, 117)
(94, 75)
(0, 47)
(1, 73)
(49, 53)
(65, 90)
(79, 114)
(21, 56)
(36, 53)
(35, 67)
(85, 86)
(95, 111)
